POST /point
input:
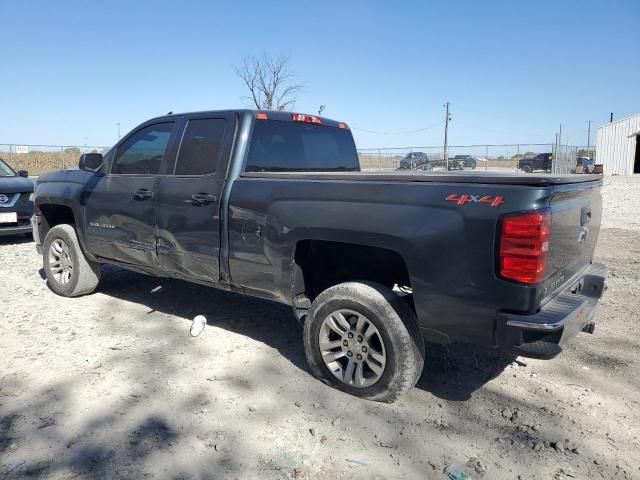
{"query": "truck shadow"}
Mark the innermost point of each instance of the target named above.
(268, 322)
(451, 372)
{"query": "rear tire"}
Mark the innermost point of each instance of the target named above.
(527, 169)
(69, 273)
(378, 354)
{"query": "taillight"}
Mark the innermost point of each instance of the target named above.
(524, 245)
(299, 117)
(261, 116)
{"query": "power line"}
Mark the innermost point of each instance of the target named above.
(498, 131)
(398, 133)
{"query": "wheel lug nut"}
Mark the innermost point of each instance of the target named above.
(350, 335)
(345, 343)
(349, 354)
(364, 349)
(359, 338)
(359, 357)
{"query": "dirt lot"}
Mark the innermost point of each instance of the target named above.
(111, 386)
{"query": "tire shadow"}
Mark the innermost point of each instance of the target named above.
(455, 371)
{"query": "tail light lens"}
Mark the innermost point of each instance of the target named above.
(524, 246)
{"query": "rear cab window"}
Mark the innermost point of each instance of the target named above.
(288, 146)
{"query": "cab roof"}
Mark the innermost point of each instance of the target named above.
(246, 112)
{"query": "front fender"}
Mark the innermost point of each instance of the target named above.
(64, 190)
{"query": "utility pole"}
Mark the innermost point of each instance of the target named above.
(118, 130)
(446, 135)
(611, 118)
(560, 135)
(588, 136)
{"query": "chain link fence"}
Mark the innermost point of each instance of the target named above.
(506, 158)
(39, 159)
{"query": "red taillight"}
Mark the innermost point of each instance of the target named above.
(261, 116)
(343, 125)
(299, 117)
(524, 245)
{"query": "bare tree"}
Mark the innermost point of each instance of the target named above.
(270, 82)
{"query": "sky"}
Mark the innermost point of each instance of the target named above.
(512, 71)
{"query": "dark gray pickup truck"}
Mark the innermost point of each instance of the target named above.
(273, 204)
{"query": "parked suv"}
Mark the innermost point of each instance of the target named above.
(468, 161)
(584, 165)
(16, 205)
(414, 161)
(541, 162)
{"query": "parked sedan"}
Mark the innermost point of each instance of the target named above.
(16, 203)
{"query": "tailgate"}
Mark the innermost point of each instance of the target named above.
(575, 225)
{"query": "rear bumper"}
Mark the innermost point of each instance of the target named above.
(542, 334)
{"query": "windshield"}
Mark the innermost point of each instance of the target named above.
(5, 170)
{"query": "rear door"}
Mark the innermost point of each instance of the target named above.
(188, 201)
(120, 206)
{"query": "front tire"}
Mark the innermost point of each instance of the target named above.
(69, 273)
(363, 339)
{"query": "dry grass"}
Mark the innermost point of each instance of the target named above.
(37, 163)
(379, 161)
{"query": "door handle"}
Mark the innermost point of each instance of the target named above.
(142, 194)
(203, 199)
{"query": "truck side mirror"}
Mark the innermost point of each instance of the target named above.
(90, 162)
(23, 173)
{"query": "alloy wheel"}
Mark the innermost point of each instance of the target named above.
(352, 348)
(60, 261)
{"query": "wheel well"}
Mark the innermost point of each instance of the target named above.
(326, 263)
(53, 215)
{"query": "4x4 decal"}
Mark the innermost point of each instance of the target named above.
(465, 198)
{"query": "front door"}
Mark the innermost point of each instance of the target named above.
(120, 206)
(188, 202)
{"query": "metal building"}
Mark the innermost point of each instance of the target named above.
(618, 146)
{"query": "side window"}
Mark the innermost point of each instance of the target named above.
(200, 147)
(142, 153)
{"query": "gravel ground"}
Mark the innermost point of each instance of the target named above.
(111, 386)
